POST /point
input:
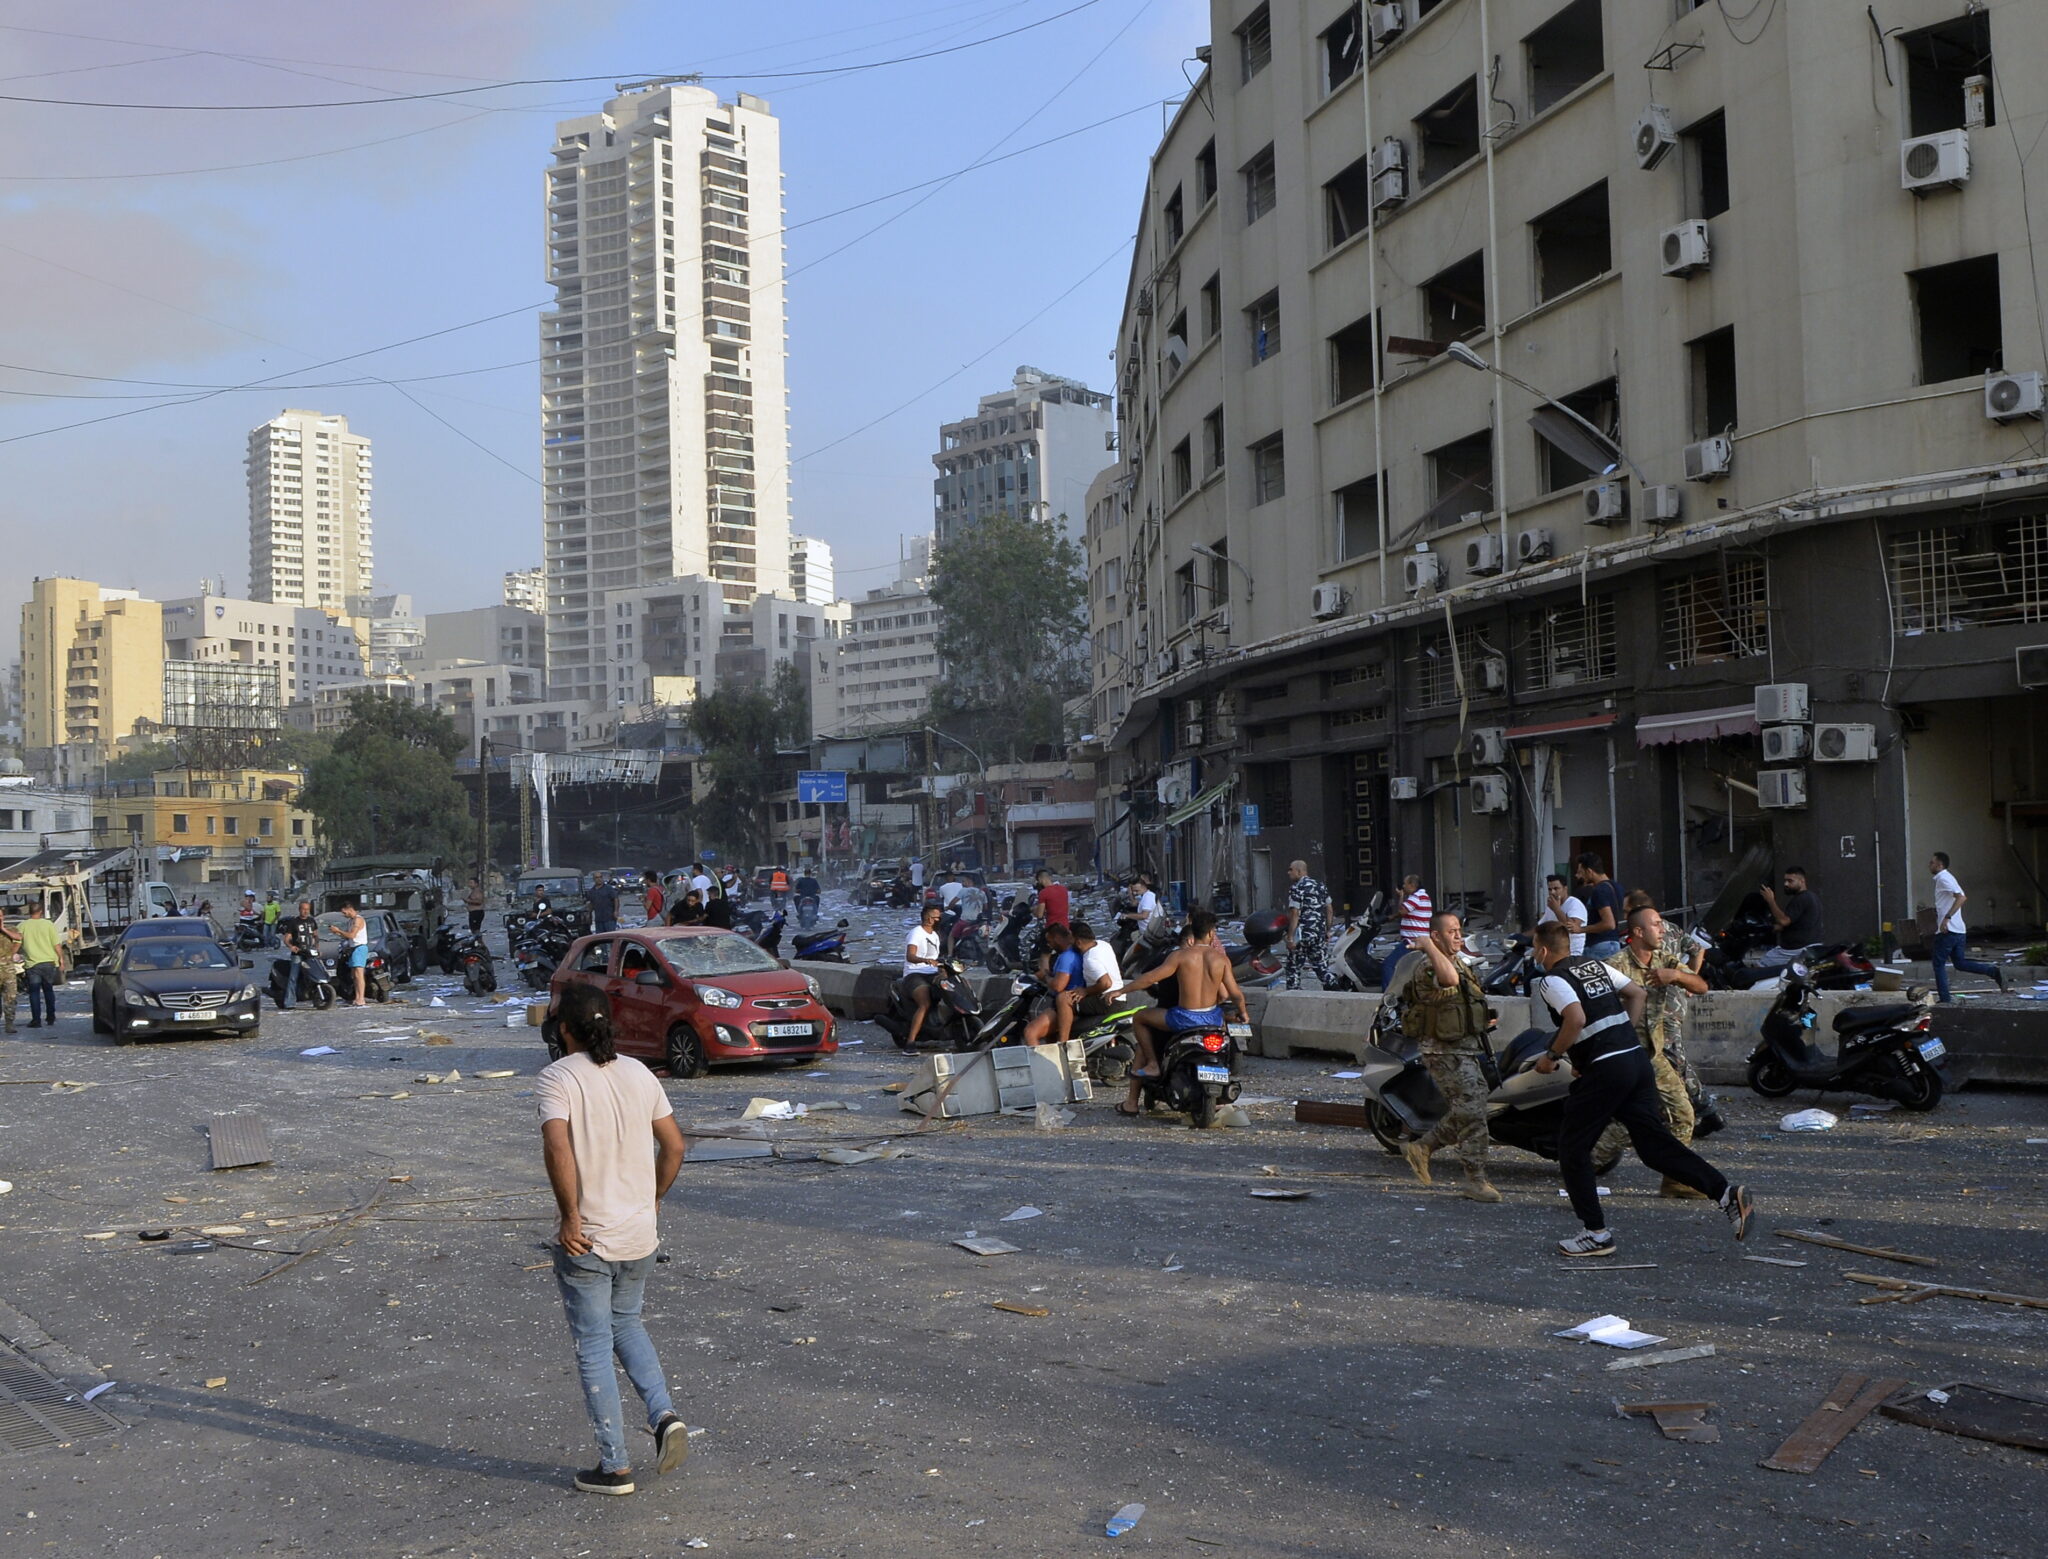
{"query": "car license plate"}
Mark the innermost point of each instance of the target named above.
(1212, 1074)
(1239, 1031)
(202, 1015)
(1933, 1049)
(786, 1031)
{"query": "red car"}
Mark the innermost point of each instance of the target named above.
(689, 996)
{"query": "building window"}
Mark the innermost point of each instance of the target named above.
(1714, 406)
(1185, 593)
(1571, 644)
(1949, 577)
(1262, 326)
(1461, 479)
(1949, 75)
(1342, 50)
(1959, 319)
(1205, 174)
(1213, 449)
(1347, 203)
(1180, 471)
(1447, 132)
(263, 828)
(1566, 455)
(1717, 613)
(1219, 570)
(134, 822)
(1706, 163)
(1175, 218)
(1269, 470)
(1271, 788)
(1353, 353)
(298, 828)
(1356, 508)
(231, 825)
(1564, 54)
(1176, 345)
(1261, 190)
(1255, 43)
(1212, 307)
(1574, 243)
(180, 823)
(1454, 301)
(212, 825)
(1442, 666)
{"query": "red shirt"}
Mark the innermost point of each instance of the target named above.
(655, 900)
(1057, 904)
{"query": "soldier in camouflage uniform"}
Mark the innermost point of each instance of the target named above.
(1446, 1011)
(1657, 962)
(10, 975)
(1689, 955)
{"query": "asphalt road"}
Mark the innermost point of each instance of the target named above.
(1367, 1372)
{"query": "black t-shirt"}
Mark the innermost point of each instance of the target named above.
(807, 887)
(301, 933)
(1803, 929)
(1596, 986)
(1603, 895)
(719, 913)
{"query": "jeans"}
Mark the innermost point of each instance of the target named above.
(291, 983)
(602, 921)
(1603, 948)
(1622, 1088)
(1778, 957)
(1952, 947)
(41, 980)
(602, 1300)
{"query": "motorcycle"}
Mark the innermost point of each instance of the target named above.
(479, 969)
(952, 1020)
(249, 933)
(1254, 961)
(539, 945)
(806, 911)
(1358, 953)
(377, 979)
(316, 982)
(768, 935)
(1106, 1039)
(1197, 1071)
(1516, 971)
(824, 947)
(1882, 1050)
(1005, 950)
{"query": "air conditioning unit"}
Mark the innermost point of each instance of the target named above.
(1173, 790)
(1389, 168)
(1384, 23)
(1784, 743)
(1493, 674)
(1938, 161)
(1390, 154)
(1193, 734)
(1165, 664)
(1422, 570)
(1483, 555)
(1686, 248)
(1403, 787)
(1845, 744)
(1326, 601)
(2009, 397)
(1783, 703)
(1487, 747)
(1709, 459)
(1664, 504)
(2031, 662)
(1781, 788)
(1534, 545)
(1489, 794)
(1654, 136)
(1607, 503)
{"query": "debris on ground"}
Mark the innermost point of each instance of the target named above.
(1884, 1252)
(1034, 1310)
(1809, 1120)
(237, 1141)
(508, 1072)
(437, 1039)
(1050, 1116)
(1976, 1412)
(772, 1110)
(1124, 1520)
(1851, 1401)
(1678, 1420)
(1637, 1361)
(1283, 1196)
(320, 1050)
(216, 1382)
(1611, 1331)
(986, 1245)
(6, 1186)
(1022, 1213)
(1904, 1292)
(97, 1391)
(1775, 1261)
(1231, 1115)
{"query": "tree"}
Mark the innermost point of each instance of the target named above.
(138, 763)
(387, 786)
(1012, 597)
(742, 730)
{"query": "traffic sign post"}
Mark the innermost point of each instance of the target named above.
(825, 786)
(1248, 815)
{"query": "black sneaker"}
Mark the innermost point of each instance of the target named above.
(1735, 1202)
(598, 1481)
(672, 1440)
(1587, 1245)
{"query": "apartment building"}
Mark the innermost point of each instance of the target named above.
(36, 817)
(810, 571)
(92, 667)
(527, 589)
(241, 828)
(309, 511)
(878, 675)
(310, 646)
(1031, 449)
(1564, 425)
(508, 635)
(672, 641)
(665, 437)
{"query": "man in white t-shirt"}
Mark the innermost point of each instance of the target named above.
(917, 875)
(949, 891)
(1951, 936)
(1560, 905)
(700, 879)
(1148, 903)
(612, 1149)
(1100, 975)
(921, 961)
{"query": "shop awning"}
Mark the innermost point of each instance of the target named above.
(1579, 727)
(1199, 805)
(1697, 725)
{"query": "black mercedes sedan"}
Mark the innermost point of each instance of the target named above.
(173, 985)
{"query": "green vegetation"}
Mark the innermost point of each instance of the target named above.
(387, 784)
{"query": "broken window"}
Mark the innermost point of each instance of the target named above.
(1706, 158)
(1176, 223)
(1212, 307)
(1574, 243)
(1948, 75)
(1447, 132)
(1186, 599)
(1714, 408)
(1960, 321)
(1219, 570)
(1212, 443)
(1569, 644)
(1205, 174)
(1720, 612)
(1564, 54)
(1255, 43)
(1356, 515)
(1260, 188)
(1454, 301)
(1461, 479)
(1564, 451)
(1262, 326)
(1269, 470)
(1352, 354)
(1181, 471)
(1347, 203)
(1342, 50)
(1950, 577)
(1176, 344)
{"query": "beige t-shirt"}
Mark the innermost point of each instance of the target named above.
(611, 1112)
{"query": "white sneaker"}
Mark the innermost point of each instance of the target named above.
(1588, 1244)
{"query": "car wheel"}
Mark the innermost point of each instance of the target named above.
(685, 1052)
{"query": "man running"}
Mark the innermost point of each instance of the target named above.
(1308, 927)
(1597, 1007)
(1445, 1011)
(1201, 972)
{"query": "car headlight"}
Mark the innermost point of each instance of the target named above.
(817, 992)
(137, 999)
(717, 996)
(248, 994)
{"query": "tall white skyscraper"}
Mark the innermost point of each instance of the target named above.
(309, 511)
(810, 570)
(665, 425)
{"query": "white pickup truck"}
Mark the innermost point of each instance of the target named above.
(90, 895)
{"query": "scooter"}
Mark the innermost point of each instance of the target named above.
(249, 933)
(1107, 1040)
(316, 982)
(1197, 1071)
(1005, 950)
(823, 947)
(479, 969)
(1886, 1051)
(806, 911)
(1253, 961)
(1358, 952)
(951, 1020)
(768, 936)
(538, 947)
(1516, 971)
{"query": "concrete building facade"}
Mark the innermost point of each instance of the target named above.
(878, 675)
(527, 589)
(311, 647)
(665, 420)
(810, 571)
(310, 540)
(92, 666)
(1031, 449)
(507, 635)
(242, 828)
(1399, 606)
(685, 637)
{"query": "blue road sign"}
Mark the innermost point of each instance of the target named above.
(1249, 814)
(827, 785)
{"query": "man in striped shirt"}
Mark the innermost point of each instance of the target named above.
(1416, 914)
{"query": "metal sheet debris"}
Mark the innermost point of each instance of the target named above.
(985, 1245)
(1678, 1420)
(1976, 1412)
(237, 1141)
(1638, 1361)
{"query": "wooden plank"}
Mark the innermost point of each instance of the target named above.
(1978, 1412)
(1852, 1401)
(1313, 1112)
(1913, 1293)
(237, 1141)
(1882, 1252)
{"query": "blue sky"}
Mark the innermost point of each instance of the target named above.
(220, 278)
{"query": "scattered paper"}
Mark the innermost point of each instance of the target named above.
(984, 1245)
(1022, 1213)
(6, 1186)
(1610, 1330)
(508, 1072)
(1601, 1189)
(320, 1050)
(108, 1235)
(100, 1390)
(216, 1382)
(772, 1110)
(1347, 1075)
(1283, 1196)
(1051, 1117)
(437, 1002)
(817, 1074)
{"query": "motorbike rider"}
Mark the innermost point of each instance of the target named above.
(1203, 982)
(301, 934)
(1088, 996)
(1597, 1007)
(778, 888)
(1650, 960)
(273, 912)
(808, 893)
(1444, 1009)
(920, 963)
(1062, 979)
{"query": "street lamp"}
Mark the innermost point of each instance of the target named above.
(1204, 550)
(1462, 353)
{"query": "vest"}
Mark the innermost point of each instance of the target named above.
(1453, 1018)
(1608, 1029)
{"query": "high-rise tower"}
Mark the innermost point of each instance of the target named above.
(309, 511)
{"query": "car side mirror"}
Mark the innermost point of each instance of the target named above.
(648, 977)
(248, 963)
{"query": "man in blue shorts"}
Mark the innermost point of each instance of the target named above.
(1200, 970)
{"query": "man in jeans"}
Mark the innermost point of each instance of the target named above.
(612, 1148)
(41, 966)
(1951, 936)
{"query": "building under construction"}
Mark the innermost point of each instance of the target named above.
(221, 714)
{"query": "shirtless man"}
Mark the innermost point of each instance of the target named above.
(1205, 983)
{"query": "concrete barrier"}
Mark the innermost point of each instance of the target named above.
(1721, 1027)
(856, 991)
(1339, 1023)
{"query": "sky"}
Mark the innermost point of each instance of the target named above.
(218, 247)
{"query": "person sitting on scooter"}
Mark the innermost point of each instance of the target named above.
(1797, 917)
(1087, 997)
(1201, 972)
(920, 963)
(1062, 979)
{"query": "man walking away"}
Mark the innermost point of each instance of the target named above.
(652, 899)
(1951, 936)
(10, 984)
(1596, 1008)
(1798, 918)
(41, 965)
(1653, 962)
(1415, 921)
(604, 902)
(473, 901)
(600, 1114)
(1446, 1011)
(1604, 915)
(1308, 927)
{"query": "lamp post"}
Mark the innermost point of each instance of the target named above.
(1458, 351)
(1203, 549)
(978, 763)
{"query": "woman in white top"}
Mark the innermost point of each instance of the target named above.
(921, 961)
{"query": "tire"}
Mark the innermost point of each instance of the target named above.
(1386, 1126)
(322, 995)
(994, 960)
(1770, 1077)
(1203, 1115)
(472, 979)
(685, 1052)
(1923, 1087)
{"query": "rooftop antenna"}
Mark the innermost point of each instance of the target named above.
(691, 80)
